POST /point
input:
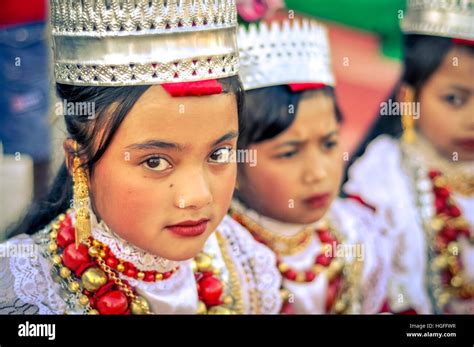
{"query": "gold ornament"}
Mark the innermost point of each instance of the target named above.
(203, 262)
(201, 309)
(93, 278)
(219, 310)
(64, 272)
(408, 122)
(140, 306)
(74, 286)
(82, 223)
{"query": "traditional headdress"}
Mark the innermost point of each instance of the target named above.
(446, 18)
(140, 42)
(295, 54)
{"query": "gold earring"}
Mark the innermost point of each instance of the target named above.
(82, 224)
(408, 122)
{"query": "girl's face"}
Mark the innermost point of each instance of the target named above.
(167, 165)
(298, 172)
(447, 106)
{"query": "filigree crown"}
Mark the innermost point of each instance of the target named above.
(284, 53)
(136, 42)
(447, 18)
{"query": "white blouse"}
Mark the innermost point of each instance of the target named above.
(385, 178)
(362, 233)
(28, 287)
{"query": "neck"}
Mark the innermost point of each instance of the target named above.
(125, 250)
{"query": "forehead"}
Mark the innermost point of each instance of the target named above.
(186, 120)
(315, 116)
(457, 67)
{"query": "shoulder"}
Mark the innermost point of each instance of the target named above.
(258, 260)
(378, 164)
(26, 284)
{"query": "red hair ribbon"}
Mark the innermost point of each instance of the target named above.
(463, 42)
(297, 87)
(197, 88)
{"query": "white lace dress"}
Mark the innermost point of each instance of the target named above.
(386, 177)
(365, 244)
(27, 285)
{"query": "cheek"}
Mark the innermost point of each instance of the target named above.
(273, 183)
(436, 119)
(222, 185)
(126, 200)
(336, 169)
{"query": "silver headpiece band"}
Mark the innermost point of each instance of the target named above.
(139, 42)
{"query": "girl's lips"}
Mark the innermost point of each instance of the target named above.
(318, 200)
(189, 228)
(465, 143)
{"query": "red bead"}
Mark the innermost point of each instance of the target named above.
(290, 274)
(464, 232)
(166, 275)
(433, 173)
(210, 291)
(442, 192)
(83, 267)
(66, 223)
(326, 237)
(449, 233)
(309, 276)
(332, 292)
(287, 308)
(150, 276)
(130, 270)
(454, 211)
(440, 204)
(104, 289)
(113, 302)
(112, 262)
(323, 260)
(65, 237)
(73, 258)
(445, 277)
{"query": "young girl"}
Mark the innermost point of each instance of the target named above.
(328, 250)
(146, 179)
(418, 168)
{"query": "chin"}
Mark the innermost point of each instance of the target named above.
(312, 216)
(186, 250)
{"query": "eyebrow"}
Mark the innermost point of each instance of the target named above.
(230, 135)
(154, 144)
(296, 143)
(461, 88)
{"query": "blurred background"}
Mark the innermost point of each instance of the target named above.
(366, 49)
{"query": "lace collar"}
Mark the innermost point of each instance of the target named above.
(423, 152)
(123, 249)
(275, 226)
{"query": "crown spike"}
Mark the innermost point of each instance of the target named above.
(280, 54)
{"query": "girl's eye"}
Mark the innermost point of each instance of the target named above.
(454, 100)
(287, 155)
(157, 164)
(330, 144)
(221, 155)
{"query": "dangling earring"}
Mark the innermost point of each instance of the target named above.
(82, 224)
(408, 122)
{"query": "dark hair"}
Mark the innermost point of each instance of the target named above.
(267, 111)
(423, 55)
(112, 104)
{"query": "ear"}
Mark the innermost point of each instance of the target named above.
(69, 153)
(406, 93)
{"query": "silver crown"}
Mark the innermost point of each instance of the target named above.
(284, 54)
(137, 42)
(447, 18)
